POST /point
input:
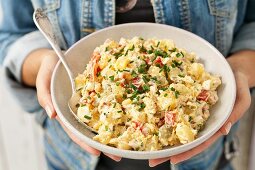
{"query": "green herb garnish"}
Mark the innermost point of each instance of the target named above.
(107, 49)
(87, 117)
(158, 44)
(181, 75)
(118, 54)
(145, 79)
(146, 88)
(142, 106)
(142, 68)
(133, 73)
(111, 78)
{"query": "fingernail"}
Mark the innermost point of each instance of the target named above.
(228, 127)
(151, 165)
(118, 160)
(49, 111)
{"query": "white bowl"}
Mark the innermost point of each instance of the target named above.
(79, 55)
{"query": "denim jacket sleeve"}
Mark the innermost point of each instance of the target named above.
(245, 37)
(18, 37)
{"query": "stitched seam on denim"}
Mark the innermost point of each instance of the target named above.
(56, 29)
(52, 6)
(86, 18)
(185, 14)
(218, 12)
(109, 12)
(219, 34)
(158, 10)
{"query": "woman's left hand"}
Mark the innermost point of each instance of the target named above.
(242, 103)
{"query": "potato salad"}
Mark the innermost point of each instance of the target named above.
(144, 95)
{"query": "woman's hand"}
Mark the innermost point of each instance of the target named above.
(37, 70)
(242, 64)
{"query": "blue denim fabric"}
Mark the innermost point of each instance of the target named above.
(228, 25)
(62, 153)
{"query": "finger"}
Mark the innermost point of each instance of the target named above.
(242, 103)
(113, 157)
(78, 141)
(188, 154)
(155, 162)
(43, 84)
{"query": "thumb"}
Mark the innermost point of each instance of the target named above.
(43, 83)
(242, 103)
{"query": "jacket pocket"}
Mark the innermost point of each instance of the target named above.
(51, 5)
(46, 5)
(222, 8)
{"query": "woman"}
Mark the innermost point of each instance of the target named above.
(29, 61)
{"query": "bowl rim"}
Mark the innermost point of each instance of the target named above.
(145, 154)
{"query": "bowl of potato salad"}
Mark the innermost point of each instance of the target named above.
(148, 90)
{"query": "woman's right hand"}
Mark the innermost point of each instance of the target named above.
(37, 71)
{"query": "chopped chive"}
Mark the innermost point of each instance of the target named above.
(114, 105)
(165, 94)
(132, 48)
(124, 96)
(164, 88)
(109, 60)
(118, 54)
(131, 61)
(176, 94)
(143, 49)
(106, 128)
(160, 53)
(158, 44)
(146, 88)
(126, 70)
(145, 79)
(190, 118)
(173, 50)
(176, 63)
(178, 55)
(142, 68)
(117, 83)
(133, 87)
(181, 75)
(142, 106)
(106, 49)
(98, 95)
(111, 78)
(119, 111)
(98, 74)
(150, 51)
(87, 117)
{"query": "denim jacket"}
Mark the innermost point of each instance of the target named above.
(229, 25)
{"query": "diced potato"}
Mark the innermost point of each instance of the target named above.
(84, 114)
(121, 63)
(185, 133)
